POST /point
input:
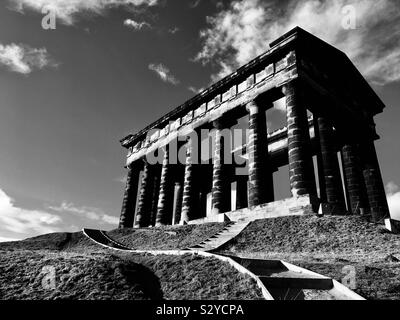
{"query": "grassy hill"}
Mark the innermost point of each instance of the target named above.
(85, 270)
(326, 245)
(88, 271)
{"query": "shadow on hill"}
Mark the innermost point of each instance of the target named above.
(139, 275)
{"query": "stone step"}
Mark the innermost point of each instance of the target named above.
(197, 246)
(259, 265)
(290, 279)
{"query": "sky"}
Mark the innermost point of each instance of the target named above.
(110, 67)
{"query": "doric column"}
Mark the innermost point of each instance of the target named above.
(188, 188)
(129, 200)
(176, 212)
(355, 186)
(301, 168)
(155, 194)
(220, 184)
(241, 192)
(165, 201)
(321, 176)
(144, 204)
(260, 175)
(330, 166)
(374, 183)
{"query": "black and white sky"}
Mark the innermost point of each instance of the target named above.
(110, 67)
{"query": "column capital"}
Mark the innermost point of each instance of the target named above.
(223, 123)
(288, 86)
(252, 107)
(133, 165)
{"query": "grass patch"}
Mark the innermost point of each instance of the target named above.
(77, 276)
(348, 237)
(85, 270)
(167, 237)
(122, 276)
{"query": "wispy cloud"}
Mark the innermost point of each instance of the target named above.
(243, 29)
(173, 30)
(90, 213)
(194, 89)
(136, 25)
(164, 73)
(121, 179)
(68, 10)
(194, 3)
(24, 59)
(18, 223)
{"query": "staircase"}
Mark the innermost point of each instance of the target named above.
(288, 282)
(222, 237)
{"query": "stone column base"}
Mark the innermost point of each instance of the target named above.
(333, 209)
(392, 225)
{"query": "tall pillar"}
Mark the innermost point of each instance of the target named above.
(301, 168)
(330, 166)
(374, 183)
(260, 175)
(220, 202)
(165, 201)
(355, 186)
(129, 200)
(241, 192)
(155, 194)
(321, 175)
(188, 188)
(178, 193)
(144, 204)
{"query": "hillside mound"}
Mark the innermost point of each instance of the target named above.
(345, 236)
(85, 270)
(162, 238)
(103, 276)
(345, 248)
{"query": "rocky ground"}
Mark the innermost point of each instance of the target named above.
(333, 246)
(84, 270)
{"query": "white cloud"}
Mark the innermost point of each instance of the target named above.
(244, 29)
(67, 10)
(195, 90)
(90, 213)
(393, 198)
(136, 25)
(23, 58)
(4, 239)
(164, 73)
(19, 223)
